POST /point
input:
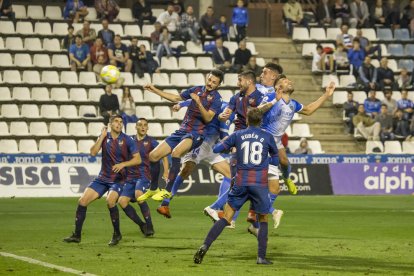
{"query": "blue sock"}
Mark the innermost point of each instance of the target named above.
(215, 231)
(114, 213)
(285, 170)
(272, 198)
(177, 183)
(256, 224)
(155, 174)
(80, 218)
(132, 214)
(172, 174)
(262, 240)
(145, 210)
(223, 194)
(224, 186)
(236, 215)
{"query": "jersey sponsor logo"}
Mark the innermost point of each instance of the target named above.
(29, 175)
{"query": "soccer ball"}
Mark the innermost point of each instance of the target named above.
(110, 74)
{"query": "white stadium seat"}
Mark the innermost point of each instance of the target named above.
(142, 81)
(163, 112)
(308, 49)
(10, 111)
(30, 111)
(23, 60)
(339, 97)
(87, 109)
(180, 114)
(125, 15)
(95, 128)
(230, 79)
(24, 27)
(13, 43)
(59, 94)
(169, 63)
(300, 34)
(41, 60)
(33, 44)
(40, 94)
(178, 79)
(301, 130)
(78, 95)
(8, 146)
(77, 129)
(20, 11)
(95, 94)
(136, 94)
(360, 96)
(11, 76)
(392, 147)
(315, 146)
(92, 14)
(68, 111)
(51, 45)
(370, 145)
(69, 77)
(60, 28)
(170, 128)
(28, 146)
(252, 48)
(347, 80)
(87, 78)
(155, 129)
(4, 129)
(408, 147)
(196, 79)
(205, 63)
(49, 111)
(317, 34)
(151, 97)
(43, 28)
(19, 128)
(38, 129)
(193, 48)
(35, 12)
(60, 61)
(58, 129)
(7, 27)
(1, 43)
(128, 78)
(132, 30)
(84, 146)
(21, 94)
(293, 145)
(31, 77)
(327, 79)
(117, 28)
(331, 33)
(5, 94)
(226, 95)
(130, 129)
(48, 146)
(187, 63)
(147, 30)
(53, 12)
(6, 60)
(231, 45)
(50, 77)
(144, 112)
(160, 79)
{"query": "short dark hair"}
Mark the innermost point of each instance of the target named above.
(254, 116)
(387, 91)
(281, 76)
(78, 36)
(274, 67)
(118, 35)
(249, 74)
(113, 117)
(350, 93)
(142, 119)
(319, 46)
(217, 73)
(71, 27)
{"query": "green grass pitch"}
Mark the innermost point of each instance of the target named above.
(319, 235)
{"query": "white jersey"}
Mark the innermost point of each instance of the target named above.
(265, 89)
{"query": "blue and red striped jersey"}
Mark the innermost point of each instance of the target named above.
(144, 146)
(115, 151)
(240, 104)
(193, 122)
(253, 147)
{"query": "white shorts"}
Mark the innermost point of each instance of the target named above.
(273, 173)
(203, 153)
(278, 140)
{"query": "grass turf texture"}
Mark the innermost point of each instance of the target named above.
(332, 235)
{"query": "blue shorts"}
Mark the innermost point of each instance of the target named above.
(175, 138)
(134, 185)
(258, 196)
(102, 187)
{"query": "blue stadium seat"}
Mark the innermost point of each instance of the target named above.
(409, 49)
(396, 50)
(401, 34)
(384, 34)
(406, 63)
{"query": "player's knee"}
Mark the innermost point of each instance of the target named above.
(83, 201)
(123, 202)
(111, 203)
(263, 218)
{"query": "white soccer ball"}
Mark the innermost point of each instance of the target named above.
(110, 74)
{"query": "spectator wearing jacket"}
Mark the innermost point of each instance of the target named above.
(386, 76)
(75, 10)
(359, 10)
(356, 56)
(107, 9)
(367, 75)
(240, 20)
(142, 11)
(372, 105)
(293, 13)
(106, 34)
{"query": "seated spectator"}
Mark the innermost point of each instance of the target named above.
(372, 105)
(221, 57)
(87, 33)
(224, 28)
(209, 25)
(107, 9)
(407, 20)
(320, 60)
(128, 111)
(400, 125)
(147, 62)
(356, 56)
(155, 35)
(6, 9)
(405, 105)
(389, 102)
(386, 76)
(240, 20)
(359, 10)
(79, 55)
(164, 44)
(189, 26)
(342, 15)
(367, 78)
(404, 80)
(252, 66)
(75, 10)
(303, 147)
(341, 58)
(386, 122)
(106, 34)
(292, 12)
(410, 137)
(108, 104)
(378, 13)
(367, 46)
(393, 16)
(366, 126)
(169, 19)
(351, 109)
(344, 38)
(119, 56)
(241, 56)
(142, 11)
(324, 14)
(99, 56)
(69, 39)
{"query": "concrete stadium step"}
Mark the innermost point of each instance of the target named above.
(269, 48)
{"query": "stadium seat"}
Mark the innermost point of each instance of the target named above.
(84, 146)
(408, 147)
(339, 97)
(193, 48)
(252, 48)
(23, 60)
(28, 146)
(392, 64)
(169, 63)
(77, 129)
(68, 111)
(4, 129)
(151, 97)
(1, 43)
(6, 60)
(410, 95)
(187, 63)
(7, 27)
(144, 112)
(205, 63)
(43, 28)
(327, 79)
(51, 45)
(35, 12)
(317, 34)
(384, 34)
(370, 34)
(5, 94)
(301, 130)
(21, 94)
(132, 30)
(160, 79)
(118, 93)
(30, 111)
(147, 30)
(33, 44)
(50, 77)
(130, 129)
(300, 34)
(180, 114)
(137, 95)
(315, 146)
(11, 76)
(89, 78)
(69, 77)
(77, 27)
(169, 128)
(48, 146)
(395, 50)
(41, 60)
(31, 77)
(179, 79)
(60, 28)
(407, 64)
(20, 12)
(58, 129)
(308, 49)
(370, 145)
(231, 45)
(402, 34)
(163, 112)
(331, 33)
(396, 95)
(87, 109)
(293, 145)
(155, 129)
(95, 94)
(288, 131)
(38, 129)
(142, 81)
(92, 14)
(125, 15)
(117, 28)
(347, 81)
(226, 94)
(53, 12)
(8, 146)
(95, 128)
(392, 147)
(19, 128)
(196, 79)
(13, 43)
(60, 61)
(260, 61)
(409, 49)
(230, 79)
(24, 28)
(128, 78)
(49, 111)
(78, 95)
(68, 146)
(360, 96)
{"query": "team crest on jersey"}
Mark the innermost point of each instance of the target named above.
(145, 143)
(251, 101)
(121, 142)
(291, 107)
(209, 98)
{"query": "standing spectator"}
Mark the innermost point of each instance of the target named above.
(344, 38)
(240, 20)
(108, 104)
(169, 19)
(372, 105)
(386, 76)
(407, 20)
(323, 14)
(367, 126)
(99, 56)
(178, 6)
(119, 56)
(224, 28)
(147, 62)
(404, 80)
(341, 58)
(303, 147)
(75, 10)
(221, 57)
(87, 33)
(241, 56)
(386, 122)
(292, 12)
(134, 52)
(142, 11)
(69, 39)
(128, 111)
(367, 75)
(79, 55)
(106, 34)
(359, 10)
(393, 16)
(379, 13)
(256, 69)
(400, 125)
(164, 44)
(6, 9)
(351, 109)
(209, 25)
(389, 102)
(356, 56)
(107, 9)
(367, 46)
(405, 105)
(342, 15)
(189, 26)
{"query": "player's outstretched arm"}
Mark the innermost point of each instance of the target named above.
(168, 96)
(98, 144)
(207, 115)
(135, 161)
(227, 143)
(312, 107)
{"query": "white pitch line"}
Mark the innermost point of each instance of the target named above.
(33, 261)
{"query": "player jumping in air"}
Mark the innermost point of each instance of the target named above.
(118, 153)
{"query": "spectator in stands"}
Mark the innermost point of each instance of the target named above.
(240, 20)
(342, 15)
(155, 35)
(405, 105)
(324, 14)
(341, 58)
(410, 137)
(407, 20)
(169, 19)
(404, 80)
(356, 56)
(134, 52)
(189, 26)
(99, 56)
(372, 105)
(79, 55)
(241, 56)
(75, 10)
(128, 111)
(142, 11)
(6, 9)
(224, 28)
(87, 33)
(386, 76)
(344, 38)
(106, 34)
(209, 25)
(351, 109)
(108, 104)
(360, 11)
(367, 46)
(69, 39)
(107, 9)
(320, 60)
(393, 16)
(164, 44)
(119, 56)
(221, 57)
(389, 102)
(293, 13)
(147, 62)
(367, 75)
(400, 125)
(178, 6)
(386, 122)
(366, 126)
(379, 13)
(303, 147)
(252, 66)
